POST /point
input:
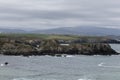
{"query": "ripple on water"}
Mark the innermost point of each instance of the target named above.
(84, 79)
(31, 79)
(21, 79)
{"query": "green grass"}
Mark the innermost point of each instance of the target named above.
(42, 36)
(48, 36)
(64, 37)
(39, 36)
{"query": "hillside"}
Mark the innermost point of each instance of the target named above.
(88, 31)
(85, 31)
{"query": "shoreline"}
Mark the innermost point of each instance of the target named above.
(54, 44)
(58, 55)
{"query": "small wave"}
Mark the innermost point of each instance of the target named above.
(33, 79)
(1, 65)
(84, 79)
(69, 56)
(21, 79)
(102, 65)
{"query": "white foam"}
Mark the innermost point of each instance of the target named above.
(1, 65)
(21, 79)
(101, 64)
(32, 79)
(84, 79)
(69, 56)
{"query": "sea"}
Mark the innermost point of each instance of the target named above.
(77, 67)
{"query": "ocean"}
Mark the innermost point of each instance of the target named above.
(60, 68)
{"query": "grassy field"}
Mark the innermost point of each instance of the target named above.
(48, 36)
(39, 36)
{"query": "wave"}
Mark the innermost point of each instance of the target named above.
(103, 65)
(46, 79)
(84, 79)
(1, 65)
(32, 79)
(69, 56)
(21, 79)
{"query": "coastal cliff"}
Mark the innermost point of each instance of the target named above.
(52, 47)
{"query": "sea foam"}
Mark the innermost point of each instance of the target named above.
(84, 79)
(106, 66)
(21, 79)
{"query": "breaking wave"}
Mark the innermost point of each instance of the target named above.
(103, 65)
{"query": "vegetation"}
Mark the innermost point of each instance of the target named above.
(46, 44)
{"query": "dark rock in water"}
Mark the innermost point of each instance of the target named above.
(58, 55)
(6, 63)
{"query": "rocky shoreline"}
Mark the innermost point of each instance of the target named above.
(52, 47)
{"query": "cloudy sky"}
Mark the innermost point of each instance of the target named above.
(44, 14)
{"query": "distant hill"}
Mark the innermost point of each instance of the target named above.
(4, 30)
(94, 31)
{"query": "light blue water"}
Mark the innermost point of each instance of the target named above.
(116, 47)
(60, 68)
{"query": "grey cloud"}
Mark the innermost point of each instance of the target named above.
(42, 14)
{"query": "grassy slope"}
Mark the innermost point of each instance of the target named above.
(39, 36)
(48, 36)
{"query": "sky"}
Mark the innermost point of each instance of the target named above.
(47, 14)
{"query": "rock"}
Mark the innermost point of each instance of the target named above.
(6, 63)
(52, 47)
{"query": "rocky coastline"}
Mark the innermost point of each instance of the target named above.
(52, 47)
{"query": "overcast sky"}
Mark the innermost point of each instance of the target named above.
(44, 14)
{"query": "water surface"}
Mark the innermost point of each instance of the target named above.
(116, 47)
(60, 68)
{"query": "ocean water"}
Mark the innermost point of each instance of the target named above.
(116, 47)
(60, 68)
